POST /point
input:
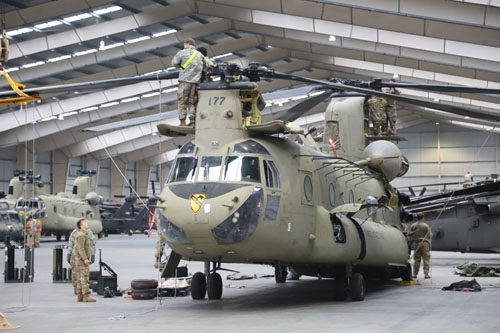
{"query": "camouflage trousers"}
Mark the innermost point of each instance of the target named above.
(36, 240)
(82, 277)
(391, 115)
(422, 251)
(378, 116)
(187, 97)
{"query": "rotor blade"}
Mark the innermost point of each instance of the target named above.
(101, 84)
(289, 93)
(486, 188)
(413, 101)
(298, 110)
(131, 122)
(441, 87)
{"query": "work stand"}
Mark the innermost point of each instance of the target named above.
(60, 274)
(25, 273)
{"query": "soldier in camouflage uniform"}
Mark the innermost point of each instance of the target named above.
(81, 260)
(378, 117)
(419, 236)
(190, 62)
(71, 246)
(391, 110)
(159, 244)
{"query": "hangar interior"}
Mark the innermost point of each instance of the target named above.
(68, 41)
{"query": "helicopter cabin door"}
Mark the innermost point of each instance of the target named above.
(272, 191)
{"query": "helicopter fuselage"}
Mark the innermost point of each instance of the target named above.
(234, 196)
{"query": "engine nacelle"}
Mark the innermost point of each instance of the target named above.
(385, 157)
(93, 198)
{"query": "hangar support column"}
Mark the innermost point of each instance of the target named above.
(117, 180)
(60, 164)
(142, 177)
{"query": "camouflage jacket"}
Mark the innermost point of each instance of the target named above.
(419, 231)
(82, 249)
(192, 72)
(72, 241)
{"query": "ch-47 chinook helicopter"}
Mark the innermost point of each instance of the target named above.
(59, 213)
(239, 193)
(242, 192)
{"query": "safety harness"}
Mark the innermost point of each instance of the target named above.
(183, 66)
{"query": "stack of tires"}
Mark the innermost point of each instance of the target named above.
(144, 289)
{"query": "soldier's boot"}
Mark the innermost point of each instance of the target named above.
(79, 298)
(192, 122)
(88, 299)
(183, 122)
(157, 263)
(427, 276)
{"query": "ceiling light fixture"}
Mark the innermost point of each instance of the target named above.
(332, 38)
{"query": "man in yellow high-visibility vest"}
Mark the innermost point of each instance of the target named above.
(190, 62)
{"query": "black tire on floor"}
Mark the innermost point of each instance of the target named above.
(144, 293)
(214, 286)
(280, 273)
(406, 273)
(142, 284)
(198, 286)
(357, 287)
(340, 289)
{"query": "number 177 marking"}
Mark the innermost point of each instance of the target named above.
(215, 99)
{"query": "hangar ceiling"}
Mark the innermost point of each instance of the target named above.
(65, 41)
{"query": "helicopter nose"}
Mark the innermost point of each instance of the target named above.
(240, 225)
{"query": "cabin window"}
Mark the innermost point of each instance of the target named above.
(11, 190)
(351, 196)
(210, 168)
(75, 189)
(331, 194)
(242, 169)
(188, 148)
(272, 174)
(55, 209)
(308, 188)
(184, 169)
(250, 147)
(272, 207)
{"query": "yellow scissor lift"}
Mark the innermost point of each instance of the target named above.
(22, 97)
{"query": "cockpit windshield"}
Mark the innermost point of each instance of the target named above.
(184, 169)
(210, 168)
(242, 168)
(14, 217)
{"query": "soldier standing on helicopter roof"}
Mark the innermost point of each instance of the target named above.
(376, 110)
(390, 110)
(190, 62)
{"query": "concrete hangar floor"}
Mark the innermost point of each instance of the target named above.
(258, 305)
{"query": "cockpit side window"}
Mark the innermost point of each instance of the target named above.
(188, 148)
(272, 174)
(184, 169)
(210, 168)
(14, 217)
(250, 147)
(242, 169)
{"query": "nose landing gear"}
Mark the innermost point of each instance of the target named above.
(209, 283)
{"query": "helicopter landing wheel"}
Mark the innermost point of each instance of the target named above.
(198, 286)
(214, 286)
(280, 273)
(357, 287)
(406, 273)
(340, 288)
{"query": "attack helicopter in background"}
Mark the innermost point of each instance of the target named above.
(462, 220)
(128, 217)
(246, 192)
